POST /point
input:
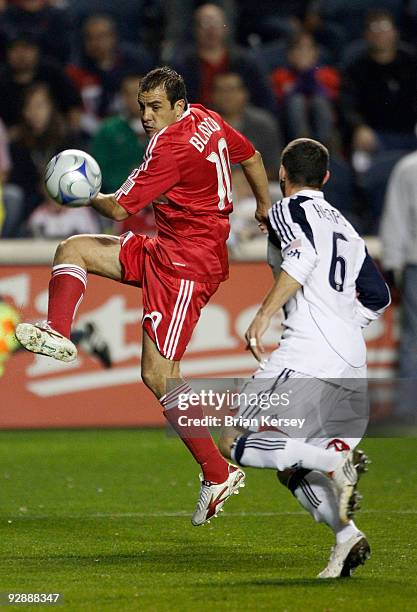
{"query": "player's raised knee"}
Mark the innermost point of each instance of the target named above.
(68, 250)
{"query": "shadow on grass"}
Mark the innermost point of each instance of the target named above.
(355, 581)
(170, 558)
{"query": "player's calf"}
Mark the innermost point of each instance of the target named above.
(227, 440)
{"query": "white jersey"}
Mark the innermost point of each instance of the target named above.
(342, 290)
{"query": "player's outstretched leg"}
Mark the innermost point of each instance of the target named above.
(315, 492)
(74, 257)
(220, 480)
(267, 450)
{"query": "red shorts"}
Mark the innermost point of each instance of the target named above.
(171, 306)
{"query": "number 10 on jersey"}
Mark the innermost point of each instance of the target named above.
(224, 180)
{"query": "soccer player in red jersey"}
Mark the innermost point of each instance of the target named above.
(186, 174)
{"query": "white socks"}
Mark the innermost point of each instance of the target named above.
(315, 493)
(257, 450)
(314, 490)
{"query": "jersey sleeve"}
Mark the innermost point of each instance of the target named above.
(373, 295)
(239, 147)
(158, 173)
(289, 228)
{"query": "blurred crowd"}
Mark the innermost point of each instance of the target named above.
(341, 71)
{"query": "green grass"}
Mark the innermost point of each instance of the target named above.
(103, 517)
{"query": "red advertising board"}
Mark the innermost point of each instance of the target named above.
(38, 392)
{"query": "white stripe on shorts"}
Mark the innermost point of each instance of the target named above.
(174, 314)
(179, 319)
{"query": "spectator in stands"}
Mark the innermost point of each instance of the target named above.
(245, 240)
(103, 63)
(349, 15)
(51, 220)
(4, 170)
(231, 100)
(177, 32)
(269, 23)
(272, 25)
(379, 100)
(214, 53)
(3, 30)
(11, 196)
(24, 66)
(132, 17)
(41, 134)
(399, 255)
(306, 92)
(50, 23)
(120, 143)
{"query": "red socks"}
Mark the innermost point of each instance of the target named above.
(196, 437)
(66, 291)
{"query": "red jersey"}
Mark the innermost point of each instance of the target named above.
(186, 175)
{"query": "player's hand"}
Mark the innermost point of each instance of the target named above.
(261, 216)
(254, 335)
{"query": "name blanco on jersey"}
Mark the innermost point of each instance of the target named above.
(205, 129)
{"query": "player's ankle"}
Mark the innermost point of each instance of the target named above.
(62, 329)
(346, 532)
(215, 468)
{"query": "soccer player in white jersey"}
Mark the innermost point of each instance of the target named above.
(330, 289)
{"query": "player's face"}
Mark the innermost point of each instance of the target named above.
(156, 111)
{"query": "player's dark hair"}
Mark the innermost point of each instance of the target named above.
(171, 81)
(306, 162)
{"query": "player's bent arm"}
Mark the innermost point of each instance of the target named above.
(109, 207)
(254, 171)
(373, 294)
(284, 287)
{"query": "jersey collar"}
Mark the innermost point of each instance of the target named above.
(185, 114)
(311, 193)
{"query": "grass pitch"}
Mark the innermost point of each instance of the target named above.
(103, 517)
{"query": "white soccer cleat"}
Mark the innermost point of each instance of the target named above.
(346, 557)
(345, 478)
(213, 496)
(43, 339)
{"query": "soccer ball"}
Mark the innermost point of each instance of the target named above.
(72, 178)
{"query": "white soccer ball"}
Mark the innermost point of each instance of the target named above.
(72, 178)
